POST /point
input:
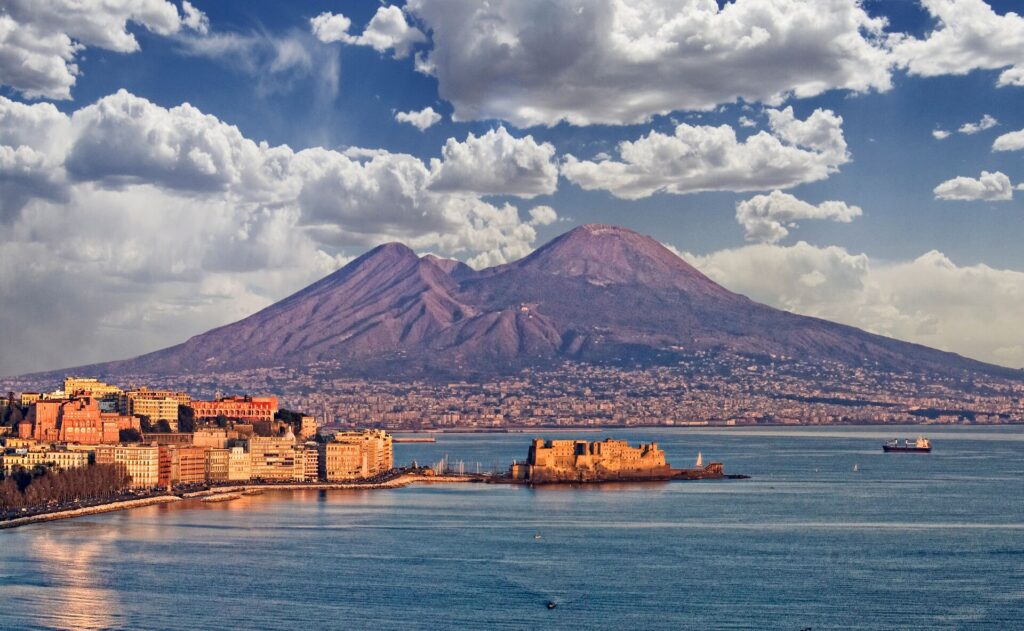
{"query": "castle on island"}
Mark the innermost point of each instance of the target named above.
(583, 461)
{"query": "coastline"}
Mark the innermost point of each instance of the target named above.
(555, 429)
(88, 510)
(394, 483)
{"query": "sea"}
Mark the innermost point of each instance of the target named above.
(828, 533)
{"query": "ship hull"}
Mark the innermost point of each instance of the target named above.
(909, 450)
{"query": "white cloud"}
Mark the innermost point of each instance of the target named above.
(194, 19)
(421, 120)
(768, 218)
(495, 163)
(941, 134)
(973, 310)
(275, 62)
(1013, 141)
(331, 27)
(705, 158)
(40, 40)
(622, 61)
(387, 30)
(170, 221)
(969, 35)
(986, 122)
(543, 216)
(991, 187)
(32, 146)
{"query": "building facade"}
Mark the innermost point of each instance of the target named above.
(142, 462)
(276, 458)
(243, 408)
(356, 455)
(25, 458)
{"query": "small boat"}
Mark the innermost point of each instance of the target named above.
(552, 604)
(921, 445)
(537, 536)
(856, 468)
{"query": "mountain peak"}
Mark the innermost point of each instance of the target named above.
(603, 255)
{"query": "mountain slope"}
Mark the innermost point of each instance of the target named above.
(596, 293)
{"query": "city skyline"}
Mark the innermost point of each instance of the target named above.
(859, 164)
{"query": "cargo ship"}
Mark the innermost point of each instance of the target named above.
(921, 445)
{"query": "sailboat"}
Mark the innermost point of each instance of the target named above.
(700, 461)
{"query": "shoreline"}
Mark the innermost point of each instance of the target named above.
(88, 510)
(395, 483)
(601, 428)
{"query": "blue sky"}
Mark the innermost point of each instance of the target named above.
(165, 246)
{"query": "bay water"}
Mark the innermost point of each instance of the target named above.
(828, 533)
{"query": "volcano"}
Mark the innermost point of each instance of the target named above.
(598, 293)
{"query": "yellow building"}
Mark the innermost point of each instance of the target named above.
(356, 455)
(307, 428)
(311, 462)
(155, 410)
(91, 386)
(188, 464)
(142, 462)
(276, 458)
(239, 465)
(28, 458)
(28, 398)
(213, 438)
(217, 464)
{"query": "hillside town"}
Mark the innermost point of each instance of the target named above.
(707, 389)
(165, 439)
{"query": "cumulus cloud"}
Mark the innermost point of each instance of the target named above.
(421, 120)
(992, 187)
(495, 163)
(705, 158)
(32, 146)
(1013, 141)
(969, 35)
(40, 40)
(973, 310)
(387, 30)
(331, 27)
(941, 134)
(181, 222)
(986, 122)
(543, 216)
(542, 63)
(768, 218)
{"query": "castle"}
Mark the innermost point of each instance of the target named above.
(582, 461)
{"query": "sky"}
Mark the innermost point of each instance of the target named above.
(167, 167)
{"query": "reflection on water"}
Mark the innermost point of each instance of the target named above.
(904, 542)
(74, 597)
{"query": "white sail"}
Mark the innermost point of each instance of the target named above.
(700, 461)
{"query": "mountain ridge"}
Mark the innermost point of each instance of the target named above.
(597, 293)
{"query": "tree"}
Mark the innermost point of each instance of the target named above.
(186, 419)
(129, 435)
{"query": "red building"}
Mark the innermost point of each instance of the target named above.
(77, 421)
(236, 407)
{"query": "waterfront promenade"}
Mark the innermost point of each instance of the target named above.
(404, 479)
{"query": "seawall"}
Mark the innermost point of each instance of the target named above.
(88, 510)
